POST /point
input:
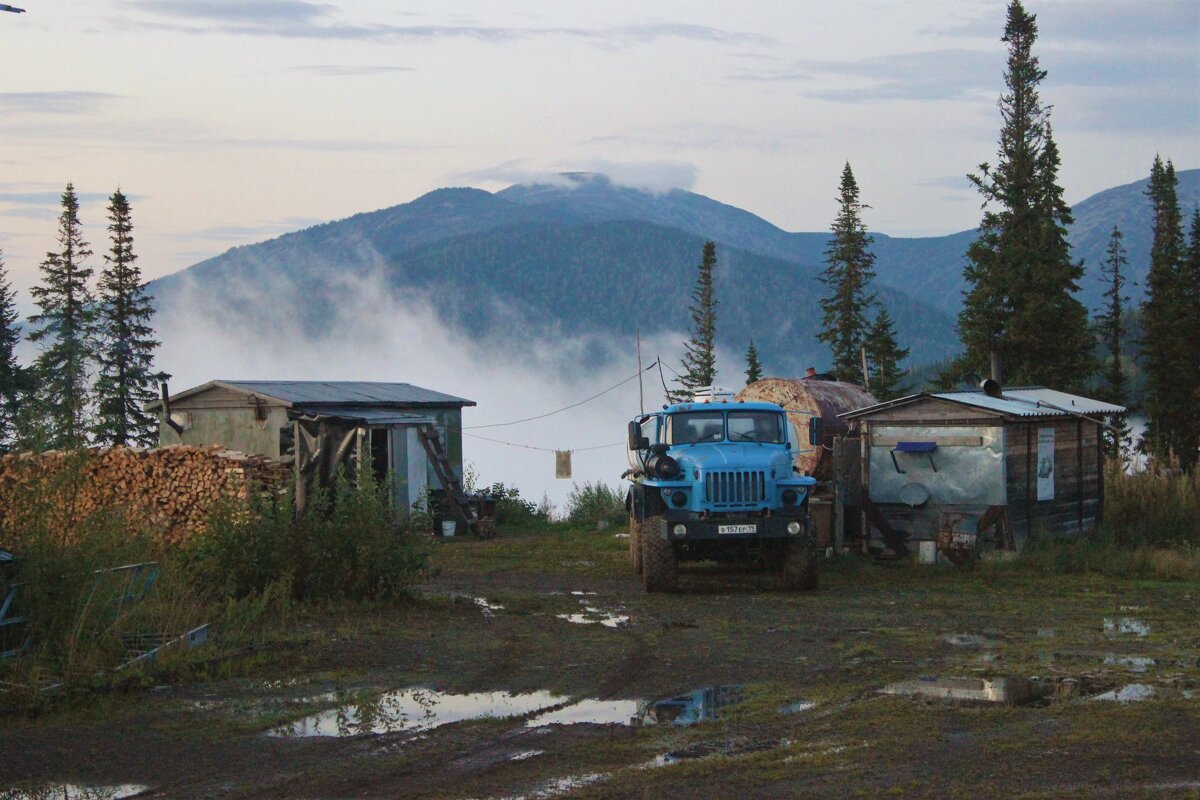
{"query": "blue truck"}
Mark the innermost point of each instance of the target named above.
(716, 481)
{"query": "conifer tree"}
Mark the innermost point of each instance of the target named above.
(125, 340)
(850, 267)
(1111, 327)
(700, 356)
(1166, 348)
(12, 377)
(753, 367)
(1020, 301)
(884, 356)
(64, 330)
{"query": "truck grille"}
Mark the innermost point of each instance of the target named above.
(735, 488)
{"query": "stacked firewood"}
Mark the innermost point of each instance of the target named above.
(172, 490)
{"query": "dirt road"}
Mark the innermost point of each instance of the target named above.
(534, 666)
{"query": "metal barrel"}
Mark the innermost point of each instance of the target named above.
(804, 398)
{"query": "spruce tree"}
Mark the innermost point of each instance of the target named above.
(700, 356)
(12, 377)
(1020, 301)
(753, 367)
(884, 356)
(1167, 349)
(64, 330)
(850, 267)
(125, 340)
(1111, 328)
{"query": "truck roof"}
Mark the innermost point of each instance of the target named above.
(722, 407)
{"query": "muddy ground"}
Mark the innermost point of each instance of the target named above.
(805, 716)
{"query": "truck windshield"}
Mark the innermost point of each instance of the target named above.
(696, 426)
(755, 426)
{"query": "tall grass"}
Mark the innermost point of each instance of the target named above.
(1159, 507)
(1151, 530)
(249, 563)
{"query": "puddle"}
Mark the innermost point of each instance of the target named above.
(583, 594)
(595, 712)
(621, 535)
(1131, 663)
(73, 791)
(417, 709)
(1046, 633)
(1001, 691)
(716, 749)
(967, 640)
(688, 709)
(797, 707)
(1127, 625)
(522, 756)
(488, 609)
(1133, 693)
(596, 616)
(557, 787)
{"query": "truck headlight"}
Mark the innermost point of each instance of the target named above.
(790, 497)
(679, 530)
(678, 499)
(793, 527)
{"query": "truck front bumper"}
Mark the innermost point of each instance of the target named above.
(677, 528)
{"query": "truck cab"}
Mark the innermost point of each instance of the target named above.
(714, 480)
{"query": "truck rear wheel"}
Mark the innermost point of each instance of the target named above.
(658, 557)
(635, 544)
(800, 566)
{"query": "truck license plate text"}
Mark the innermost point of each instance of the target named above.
(737, 529)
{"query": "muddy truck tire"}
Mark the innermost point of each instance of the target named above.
(800, 566)
(658, 558)
(635, 544)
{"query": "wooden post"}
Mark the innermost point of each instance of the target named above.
(839, 491)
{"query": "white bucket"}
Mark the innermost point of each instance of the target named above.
(448, 527)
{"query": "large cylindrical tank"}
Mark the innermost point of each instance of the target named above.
(804, 398)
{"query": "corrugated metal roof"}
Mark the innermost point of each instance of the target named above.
(348, 393)
(371, 416)
(1032, 401)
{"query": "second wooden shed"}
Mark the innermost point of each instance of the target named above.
(964, 467)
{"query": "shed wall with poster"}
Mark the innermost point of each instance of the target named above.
(995, 471)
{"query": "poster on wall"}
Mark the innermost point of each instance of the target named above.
(1045, 464)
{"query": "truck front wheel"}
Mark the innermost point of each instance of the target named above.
(658, 557)
(800, 566)
(635, 544)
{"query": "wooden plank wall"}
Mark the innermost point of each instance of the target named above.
(1078, 479)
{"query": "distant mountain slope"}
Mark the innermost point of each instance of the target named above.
(585, 254)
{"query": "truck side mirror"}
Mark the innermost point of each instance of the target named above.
(816, 431)
(636, 440)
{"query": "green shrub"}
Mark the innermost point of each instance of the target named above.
(595, 502)
(514, 510)
(348, 544)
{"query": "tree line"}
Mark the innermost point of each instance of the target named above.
(94, 369)
(1020, 310)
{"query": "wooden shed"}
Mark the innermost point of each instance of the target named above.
(318, 426)
(967, 468)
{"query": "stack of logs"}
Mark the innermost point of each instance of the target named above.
(172, 490)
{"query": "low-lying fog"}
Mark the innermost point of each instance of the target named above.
(511, 375)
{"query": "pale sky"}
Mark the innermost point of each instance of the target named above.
(231, 121)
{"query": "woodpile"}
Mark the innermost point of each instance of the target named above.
(171, 490)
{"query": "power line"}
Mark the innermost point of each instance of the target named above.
(560, 410)
(542, 449)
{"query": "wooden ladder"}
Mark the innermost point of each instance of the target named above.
(459, 503)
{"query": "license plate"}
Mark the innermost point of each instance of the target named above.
(737, 529)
